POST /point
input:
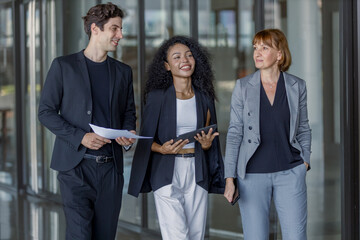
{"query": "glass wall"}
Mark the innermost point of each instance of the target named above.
(163, 19)
(226, 29)
(127, 52)
(316, 60)
(7, 98)
(42, 44)
(74, 38)
(32, 85)
(51, 48)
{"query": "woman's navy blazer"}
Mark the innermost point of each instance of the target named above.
(151, 170)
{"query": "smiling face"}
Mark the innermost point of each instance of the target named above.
(180, 61)
(265, 56)
(108, 39)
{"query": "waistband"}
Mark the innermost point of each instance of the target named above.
(99, 159)
(185, 155)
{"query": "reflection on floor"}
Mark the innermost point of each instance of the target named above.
(324, 199)
(34, 218)
(324, 206)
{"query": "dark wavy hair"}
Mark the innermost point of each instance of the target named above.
(100, 15)
(201, 79)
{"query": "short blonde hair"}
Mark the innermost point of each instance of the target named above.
(276, 39)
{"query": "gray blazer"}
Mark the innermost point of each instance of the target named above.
(243, 137)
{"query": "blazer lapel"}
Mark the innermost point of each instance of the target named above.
(169, 112)
(84, 72)
(252, 96)
(199, 109)
(112, 76)
(292, 93)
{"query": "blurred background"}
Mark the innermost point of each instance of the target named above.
(323, 37)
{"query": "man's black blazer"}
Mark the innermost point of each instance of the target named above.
(66, 107)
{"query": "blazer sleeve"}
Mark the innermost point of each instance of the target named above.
(235, 132)
(140, 170)
(215, 159)
(130, 111)
(303, 134)
(49, 106)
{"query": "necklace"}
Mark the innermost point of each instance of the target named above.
(271, 85)
(184, 95)
(185, 92)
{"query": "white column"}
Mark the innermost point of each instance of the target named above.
(304, 36)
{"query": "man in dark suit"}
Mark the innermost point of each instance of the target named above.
(82, 88)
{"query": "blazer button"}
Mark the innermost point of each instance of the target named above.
(248, 113)
(294, 141)
(250, 127)
(249, 140)
(89, 112)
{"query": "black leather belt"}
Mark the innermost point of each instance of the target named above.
(99, 159)
(185, 155)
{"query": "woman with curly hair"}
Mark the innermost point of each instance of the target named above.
(179, 96)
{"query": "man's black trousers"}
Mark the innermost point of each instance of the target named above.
(91, 194)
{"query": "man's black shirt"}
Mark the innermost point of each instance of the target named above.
(100, 89)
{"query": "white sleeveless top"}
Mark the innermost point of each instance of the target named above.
(186, 120)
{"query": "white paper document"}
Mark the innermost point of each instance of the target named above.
(113, 133)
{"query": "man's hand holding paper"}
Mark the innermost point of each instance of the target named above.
(114, 133)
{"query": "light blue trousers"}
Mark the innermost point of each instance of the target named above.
(288, 189)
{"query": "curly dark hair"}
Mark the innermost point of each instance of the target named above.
(201, 79)
(100, 15)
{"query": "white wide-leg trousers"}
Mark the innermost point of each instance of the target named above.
(182, 206)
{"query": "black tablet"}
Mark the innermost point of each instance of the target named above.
(192, 134)
(235, 200)
(236, 193)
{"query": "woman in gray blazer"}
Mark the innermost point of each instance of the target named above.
(268, 142)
